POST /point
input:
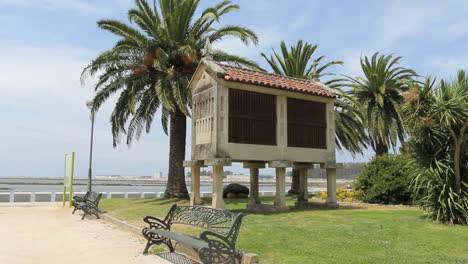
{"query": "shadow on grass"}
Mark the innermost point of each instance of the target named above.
(242, 202)
(162, 201)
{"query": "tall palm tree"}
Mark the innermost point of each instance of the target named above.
(298, 62)
(151, 65)
(380, 92)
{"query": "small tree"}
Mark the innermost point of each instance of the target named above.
(450, 107)
(436, 119)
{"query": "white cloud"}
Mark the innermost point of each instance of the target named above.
(402, 19)
(268, 37)
(447, 66)
(299, 22)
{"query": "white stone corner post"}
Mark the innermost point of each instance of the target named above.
(280, 166)
(195, 197)
(254, 167)
(218, 174)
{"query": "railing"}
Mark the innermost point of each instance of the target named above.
(38, 197)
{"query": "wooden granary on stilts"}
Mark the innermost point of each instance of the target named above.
(258, 118)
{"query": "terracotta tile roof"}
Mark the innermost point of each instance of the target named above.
(270, 80)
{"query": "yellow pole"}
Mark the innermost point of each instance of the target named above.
(72, 169)
(64, 181)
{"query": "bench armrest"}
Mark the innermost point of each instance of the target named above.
(156, 223)
(219, 250)
(153, 238)
(91, 204)
(78, 198)
(209, 235)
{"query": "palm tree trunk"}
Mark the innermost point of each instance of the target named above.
(380, 149)
(295, 182)
(458, 142)
(176, 187)
(456, 161)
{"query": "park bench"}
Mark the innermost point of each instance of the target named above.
(216, 244)
(89, 204)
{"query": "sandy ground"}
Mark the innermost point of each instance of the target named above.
(51, 234)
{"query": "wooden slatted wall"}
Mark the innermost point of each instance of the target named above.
(252, 117)
(307, 124)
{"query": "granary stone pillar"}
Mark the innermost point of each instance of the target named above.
(254, 198)
(331, 186)
(280, 166)
(303, 186)
(195, 198)
(218, 174)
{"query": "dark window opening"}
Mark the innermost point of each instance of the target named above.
(307, 124)
(252, 117)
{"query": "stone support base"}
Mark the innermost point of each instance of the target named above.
(331, 186)
(280, 166)
(303, 169)
(195, 198)
(254, 193)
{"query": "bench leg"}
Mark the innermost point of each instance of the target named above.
(169, 245)
(74, 211)
(148, 245)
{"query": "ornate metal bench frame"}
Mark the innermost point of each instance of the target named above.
(216, 244)
(89, 204)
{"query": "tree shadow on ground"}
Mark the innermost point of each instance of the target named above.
(163, 201)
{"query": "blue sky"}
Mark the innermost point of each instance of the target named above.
(44, 45)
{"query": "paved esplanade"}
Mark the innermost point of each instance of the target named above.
(51, 234)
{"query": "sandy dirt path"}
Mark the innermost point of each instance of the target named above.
(52, 235)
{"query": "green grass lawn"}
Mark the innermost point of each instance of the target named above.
(352, 234)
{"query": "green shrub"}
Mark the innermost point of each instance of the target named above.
(436, 194)
(385, 180)
(343, 195)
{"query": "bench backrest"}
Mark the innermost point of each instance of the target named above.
(219, 221)
(93, 196)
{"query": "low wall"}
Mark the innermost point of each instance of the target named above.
(38, 197)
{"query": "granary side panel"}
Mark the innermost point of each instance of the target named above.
(204, 116)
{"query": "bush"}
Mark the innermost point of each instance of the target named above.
(385, 180)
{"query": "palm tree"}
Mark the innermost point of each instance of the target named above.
(380, 94)
(298, 62)
(151, 65)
